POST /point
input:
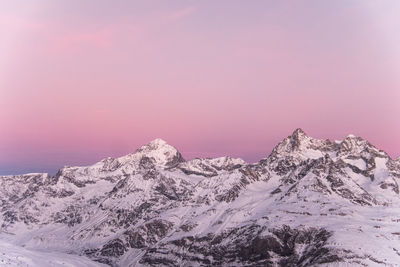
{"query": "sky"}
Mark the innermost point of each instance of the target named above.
(84, 80)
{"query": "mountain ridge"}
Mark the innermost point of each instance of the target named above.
(153, 208)
(297, 134)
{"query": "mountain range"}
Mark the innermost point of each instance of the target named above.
(311, 202)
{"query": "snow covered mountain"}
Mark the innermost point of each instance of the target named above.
(310, 202)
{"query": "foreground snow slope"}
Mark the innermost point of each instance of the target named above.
(11, 255)
(310, 202)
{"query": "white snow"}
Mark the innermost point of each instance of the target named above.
(94, 193)
(12, 255)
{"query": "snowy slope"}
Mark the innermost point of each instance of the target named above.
(11, 255)
(310, 202)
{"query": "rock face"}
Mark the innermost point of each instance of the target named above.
(310, 202)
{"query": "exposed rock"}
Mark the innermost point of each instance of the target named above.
(311, 202)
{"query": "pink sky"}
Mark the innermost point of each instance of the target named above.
(80, 82)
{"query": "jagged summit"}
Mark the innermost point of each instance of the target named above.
(355, 146)
(297, 138)
(299, 144)
(299, 134)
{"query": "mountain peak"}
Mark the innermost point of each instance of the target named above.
(158, 142)
(297, 136)
(356, 146)
(291, 143)
(161, 152)
(301, 146)
(299, 133)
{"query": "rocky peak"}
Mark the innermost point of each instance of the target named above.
(296, 139)
(301, 146)
(355, 146)
(291, 143)
(350, 143)
(299, 134)
(160, 153)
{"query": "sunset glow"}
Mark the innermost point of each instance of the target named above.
(80, 81)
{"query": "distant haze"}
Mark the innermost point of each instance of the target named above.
(84, 80)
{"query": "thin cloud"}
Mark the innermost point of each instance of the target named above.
(181, 13)
(78, 40)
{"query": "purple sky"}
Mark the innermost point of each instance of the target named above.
(83, 80)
